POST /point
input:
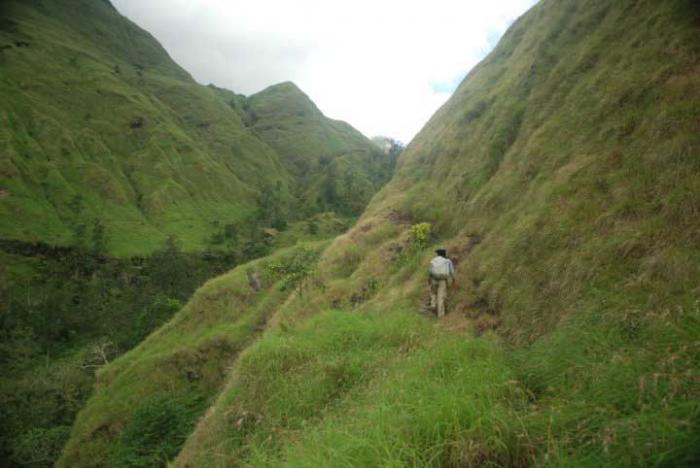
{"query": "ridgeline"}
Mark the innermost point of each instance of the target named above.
(101, 128)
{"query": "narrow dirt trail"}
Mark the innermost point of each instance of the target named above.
(456, 322)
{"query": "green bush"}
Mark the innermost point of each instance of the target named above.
(40, 446)
(421, 235)
(157, 430)
(295, 270)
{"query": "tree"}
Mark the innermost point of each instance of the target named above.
(99, 237)
(296, 270)
(312, 227)
(329, 194)
(272, 207)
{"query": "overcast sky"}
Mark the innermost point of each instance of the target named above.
(384, 66)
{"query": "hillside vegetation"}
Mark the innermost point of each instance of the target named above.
(124, 186)
(563, 178)
(101, 130)
(167, 381)
(337, 169)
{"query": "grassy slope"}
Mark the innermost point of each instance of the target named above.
(70, 99)
(313, 147)
(563, 175)
(98, 123)
(570, 154)
(182, 364)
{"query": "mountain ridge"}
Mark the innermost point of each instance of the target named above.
(147, 152)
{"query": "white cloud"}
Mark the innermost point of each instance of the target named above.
(384, 66)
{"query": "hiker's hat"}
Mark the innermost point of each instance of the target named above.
(441, 251)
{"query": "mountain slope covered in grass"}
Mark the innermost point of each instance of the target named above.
(100, 125)
(170, 379)
(124, 185)
(562, 176)
(338, 167)
(103, 132)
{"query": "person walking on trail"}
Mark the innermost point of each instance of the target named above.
(440, 274)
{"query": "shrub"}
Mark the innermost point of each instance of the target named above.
(421, 235)
(312, 227)
(40, 446)
(295, 270)
(157, 430)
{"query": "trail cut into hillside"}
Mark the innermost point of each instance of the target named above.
(563, 174)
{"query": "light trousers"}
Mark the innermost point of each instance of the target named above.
(438, 295)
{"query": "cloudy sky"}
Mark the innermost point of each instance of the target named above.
(384, 66)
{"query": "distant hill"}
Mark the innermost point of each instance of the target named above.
(335, 165)
(562, 177)
(103, 133)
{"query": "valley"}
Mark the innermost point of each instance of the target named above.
(262, 269)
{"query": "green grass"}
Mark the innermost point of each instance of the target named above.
(188, 359)
(617, 391)
(359, 389)
(562, 175)
(321, 226)
(71, 133)
(568, 154)
(340, 168)
(93, 107)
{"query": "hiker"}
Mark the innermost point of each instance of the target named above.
(441, 273)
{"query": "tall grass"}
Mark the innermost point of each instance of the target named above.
(362, 389)
(578, 245)
(184, 363)
(577, 180)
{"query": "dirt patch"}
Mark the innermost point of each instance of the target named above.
(460, 251)
(242, 420)
(399, 217)
(480, 305)
(684, 79)
(106, 431)
(485, 323)
(456, 321)
(394, 251)
(365, 227)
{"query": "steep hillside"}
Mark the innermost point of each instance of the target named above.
(563, 177)
(101, 130)
(172, 377)
(100, 125)
(336, 166)
(124, 185)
